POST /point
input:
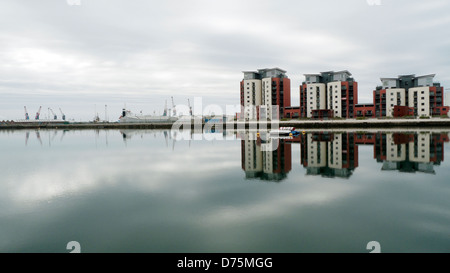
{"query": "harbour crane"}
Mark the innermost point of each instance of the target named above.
(53, 113)
(190, 108)
(165, 109)
(38, 113)
(27, 117)
(174, 110)
(62, 114)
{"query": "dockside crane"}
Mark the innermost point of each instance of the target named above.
(38, 113)
(174, 110)
(27, 117)
(62, 114)
(165, 109)
(190, 108)
(53, 113)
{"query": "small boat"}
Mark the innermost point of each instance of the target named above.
(284, 131)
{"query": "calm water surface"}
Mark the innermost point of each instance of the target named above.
(154, 191)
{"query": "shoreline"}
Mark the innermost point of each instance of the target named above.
(299, 124)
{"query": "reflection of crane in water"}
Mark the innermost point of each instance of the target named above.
(27, 136)
(62, 136)
(165, 137)
(168, 135)
(38, 135)
(174, 139)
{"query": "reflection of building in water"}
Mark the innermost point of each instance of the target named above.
(410, 153)
(329, 155)
(263, 159)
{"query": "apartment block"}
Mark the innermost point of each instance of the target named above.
(328, 94)
(424, 96)
(263, 89)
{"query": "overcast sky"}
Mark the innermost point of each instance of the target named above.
(112, 52)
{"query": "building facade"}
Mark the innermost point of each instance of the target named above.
(365, 110)
(328, 94)
(262, 90)
(421, 93)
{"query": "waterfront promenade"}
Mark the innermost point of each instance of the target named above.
(305, 124)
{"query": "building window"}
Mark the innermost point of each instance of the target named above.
(423, 110)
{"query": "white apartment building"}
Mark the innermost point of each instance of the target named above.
(316, 97)
(334, 98)
(394, 96)
(419, 98)
(266, 103)
(325, 91)
(251, 96)
(259, 92)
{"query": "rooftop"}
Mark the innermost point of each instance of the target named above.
(275, 68)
